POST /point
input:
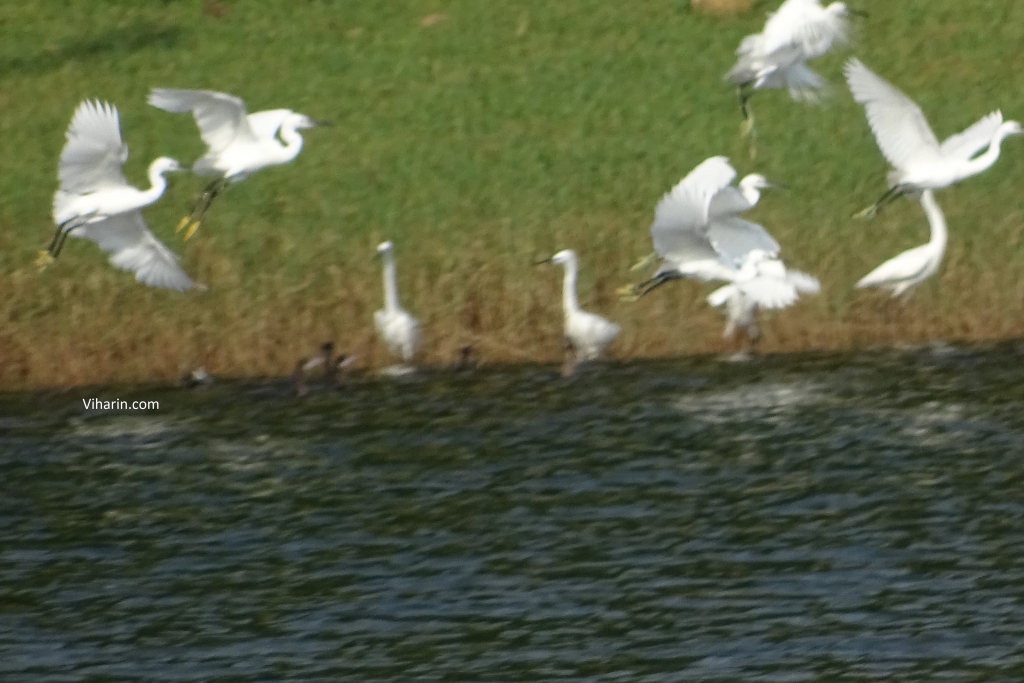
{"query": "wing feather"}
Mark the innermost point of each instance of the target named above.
(132, 247)
(94, 152)
(221, 118)
(681, 217)
(899, 126)
(965, 145)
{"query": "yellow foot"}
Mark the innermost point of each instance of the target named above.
(181, 224)
(648, 260)
(44, 259)
(867, 213)
(628, 293)
(747, 127)
(192, 230)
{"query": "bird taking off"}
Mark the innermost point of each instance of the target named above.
(239, 143)
(95, 201)
(799, 31)
(919, 161)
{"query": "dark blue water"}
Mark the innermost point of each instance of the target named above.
(854, 518)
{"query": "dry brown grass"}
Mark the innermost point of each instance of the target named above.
(65, 328)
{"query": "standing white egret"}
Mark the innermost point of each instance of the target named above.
(95, 201)
(762, 282)
(800, 30)
(400, 331)
(239, 143)
(588, 333)
(696, 230)
(907, 141)
(913, 266)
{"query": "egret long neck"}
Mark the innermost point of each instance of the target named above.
(293, 142)
(983, 161)
(157, 184)
(936, 220)
(390, 283)
(569, 302)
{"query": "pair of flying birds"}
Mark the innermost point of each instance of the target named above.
(96, 202)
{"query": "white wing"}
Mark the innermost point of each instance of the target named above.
(769, 292)
(681, 218)
(734, 238)
(805, 25)
(265, 124)
(94, 153)
(132, 247)
(902, 132)
(965, 145)
(221, 118)
(804, 283)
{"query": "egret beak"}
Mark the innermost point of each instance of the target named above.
(777, 186)
(319, 123)
(857, 12)
(541, 263)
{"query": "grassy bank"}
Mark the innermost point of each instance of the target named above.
(478, 141)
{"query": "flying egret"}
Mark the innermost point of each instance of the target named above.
(588, 333)
(95, 201)
(239, 143)
(913, 266)
(696, 230)
(800, 30)
(762, 282)
(907, 141)
(399, 330)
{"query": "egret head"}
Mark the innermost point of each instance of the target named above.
(385, 248)
(300, 121)
(756, 181)
(165, 165)
(1012, 128)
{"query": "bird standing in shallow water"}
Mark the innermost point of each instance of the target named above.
(919, 161)
(399, 330)
(95, 201)
(589, 333)
(239, 143)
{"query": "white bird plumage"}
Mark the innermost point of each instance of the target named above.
(913, 266)
(399, 330)
(96, 202)
(762, 282)
(906, 140)
(239, 143)
(800, 30)
(698, 235)
(589, 333)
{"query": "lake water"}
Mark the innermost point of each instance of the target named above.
(805, 518)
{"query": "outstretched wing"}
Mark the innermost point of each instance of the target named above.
(132, 247)
(803, 24)
(734, 238)
(681, 218)
(94, 153)
(804, 283)
(902, 132)
(965, 145)
(265, 124)
(221, 118)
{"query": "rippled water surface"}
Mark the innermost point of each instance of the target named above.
(783, 519)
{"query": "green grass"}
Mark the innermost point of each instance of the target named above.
(498, 135)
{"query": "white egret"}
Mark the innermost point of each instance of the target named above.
(762, 282)
(588, 333)
(696, 230)
(913, 266)
(907, 141)
(239, 143)
(800, 30)
(399, 330)
(95, 201)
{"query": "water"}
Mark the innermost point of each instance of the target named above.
(809, 518)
